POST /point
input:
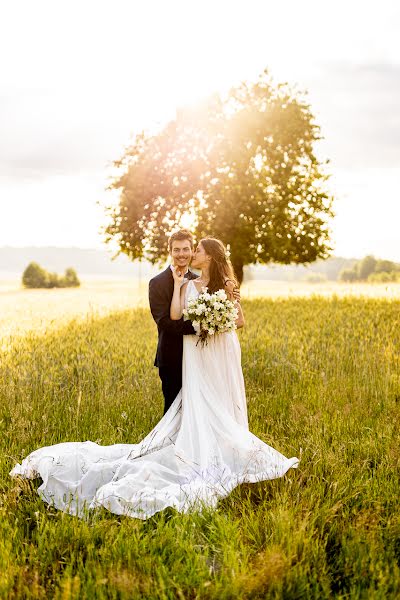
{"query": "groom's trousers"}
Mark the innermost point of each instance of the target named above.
(171, 383)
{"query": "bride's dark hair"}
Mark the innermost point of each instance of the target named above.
(221, 268)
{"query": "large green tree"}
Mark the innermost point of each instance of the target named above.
(242, 166)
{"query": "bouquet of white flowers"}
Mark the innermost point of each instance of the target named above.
(211, 313)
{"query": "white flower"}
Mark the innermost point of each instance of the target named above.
(211, 314)
(196, 326)
(221, 294)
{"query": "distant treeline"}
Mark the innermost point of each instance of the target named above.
(320, 270)
(35, 276)
(373, 270)
(335, 268)
(88, 261)
(99, 262)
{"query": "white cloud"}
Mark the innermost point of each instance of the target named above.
(60, 211)
(367, 213)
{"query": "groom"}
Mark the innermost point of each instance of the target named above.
(170, 333)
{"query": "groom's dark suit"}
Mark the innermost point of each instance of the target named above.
(170, 334)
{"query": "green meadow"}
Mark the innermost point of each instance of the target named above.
(323, 383)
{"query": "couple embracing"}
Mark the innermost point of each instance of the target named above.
(167, 298)
(202, 448)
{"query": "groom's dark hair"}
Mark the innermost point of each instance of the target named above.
(182, 234)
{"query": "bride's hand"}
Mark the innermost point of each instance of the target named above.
(236, 295)
(232, 291)
(178, 275)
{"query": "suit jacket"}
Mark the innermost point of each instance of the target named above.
(170, 333)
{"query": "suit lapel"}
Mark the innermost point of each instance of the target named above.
(168, 273)
(170, 280)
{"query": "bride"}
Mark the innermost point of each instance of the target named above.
(198, 452)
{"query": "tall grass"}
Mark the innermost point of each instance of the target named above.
(323, 383)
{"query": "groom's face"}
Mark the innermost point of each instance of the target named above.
(181, 253)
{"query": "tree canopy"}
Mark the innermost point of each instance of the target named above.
(241, 168)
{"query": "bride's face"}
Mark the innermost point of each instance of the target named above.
(200, 257)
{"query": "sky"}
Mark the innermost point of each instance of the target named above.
(78, 79)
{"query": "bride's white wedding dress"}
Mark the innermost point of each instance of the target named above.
(199, 451)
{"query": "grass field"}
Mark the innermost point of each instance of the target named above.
(323, 384)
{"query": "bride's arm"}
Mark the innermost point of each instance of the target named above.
(229, 288)
(177, 303)
(178, 298)
(240, 319)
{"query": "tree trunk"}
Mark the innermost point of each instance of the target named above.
(238, 268)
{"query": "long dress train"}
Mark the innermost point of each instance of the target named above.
(197, 453)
